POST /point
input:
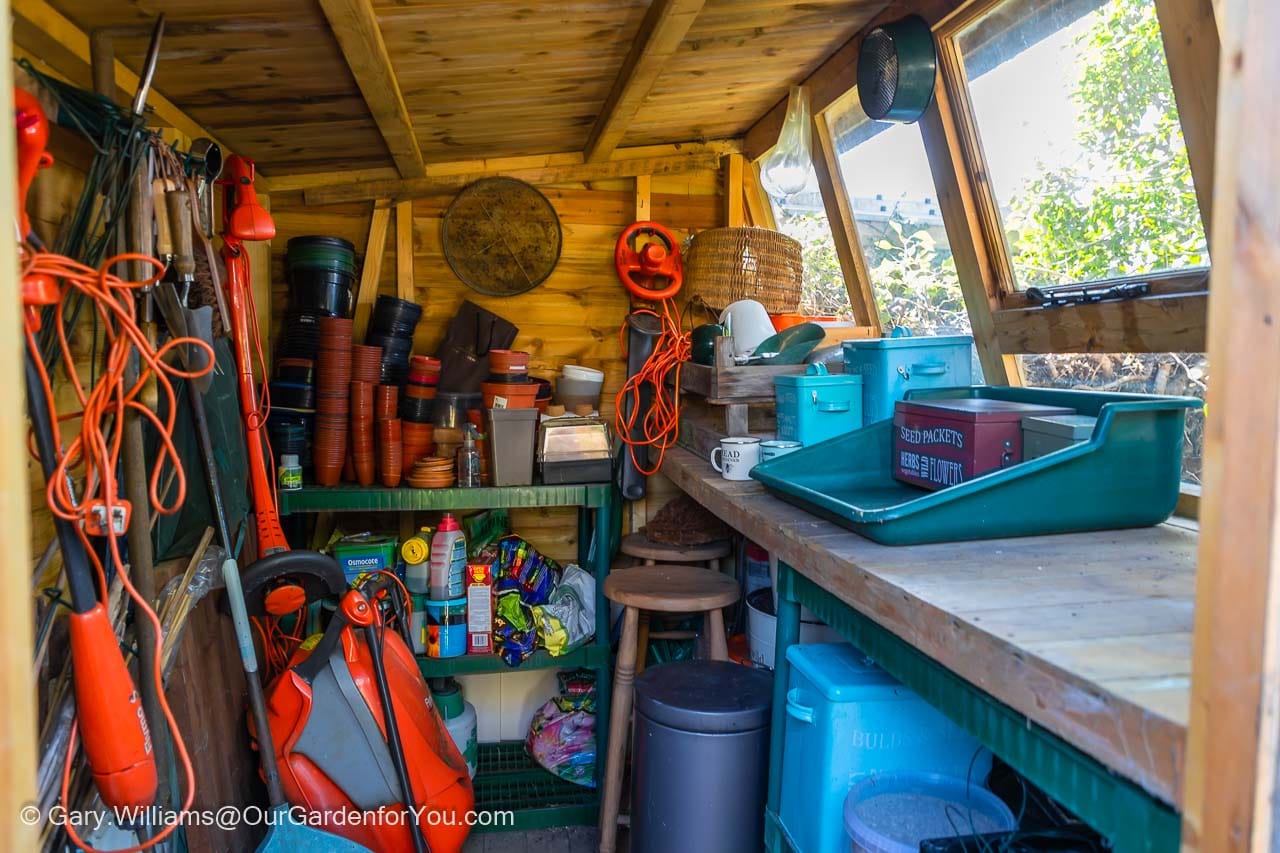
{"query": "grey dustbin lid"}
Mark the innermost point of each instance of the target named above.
(714, 697)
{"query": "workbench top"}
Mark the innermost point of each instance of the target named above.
(1088, 634)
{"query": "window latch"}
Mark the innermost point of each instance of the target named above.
(1086, 294)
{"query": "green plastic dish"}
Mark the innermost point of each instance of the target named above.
(1128, 474)
(790, 346)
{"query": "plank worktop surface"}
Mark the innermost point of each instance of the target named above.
(1087, 634)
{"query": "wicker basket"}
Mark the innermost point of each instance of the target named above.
(724, 265)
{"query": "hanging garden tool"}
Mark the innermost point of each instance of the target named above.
(647, 414)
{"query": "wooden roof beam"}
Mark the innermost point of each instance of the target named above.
(663, 29)
(355, 26)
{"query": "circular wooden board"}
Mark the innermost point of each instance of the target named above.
(501, 236)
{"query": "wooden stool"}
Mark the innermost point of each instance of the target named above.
(662, 589)
(652, 553)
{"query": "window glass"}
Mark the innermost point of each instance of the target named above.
(1080, 131)
(803, 217)
(885, 174)
(1182, 374)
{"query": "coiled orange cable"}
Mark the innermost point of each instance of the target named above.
(660, 423)
(98, 446)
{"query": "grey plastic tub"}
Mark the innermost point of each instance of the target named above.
(511, 445)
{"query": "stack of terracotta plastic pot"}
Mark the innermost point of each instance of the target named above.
(390, 452)
(333, 392)
(362, 457)
(509, 385)
(417, 400)
(366, 364)
(386, 400)
(418, 442)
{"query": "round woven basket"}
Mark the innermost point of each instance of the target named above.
(724, 265)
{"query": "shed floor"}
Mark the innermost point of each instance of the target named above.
(561, 839)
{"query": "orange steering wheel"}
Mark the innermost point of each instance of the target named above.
(642, 270)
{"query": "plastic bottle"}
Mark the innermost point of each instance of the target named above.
(468, 461)
(448, 560)
(416, 553)
(289, 472)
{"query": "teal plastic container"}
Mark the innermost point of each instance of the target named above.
(1127, 474)
(817, 405)
(846, 719)
(890, 367)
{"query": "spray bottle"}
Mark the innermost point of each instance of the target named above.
(469, 461)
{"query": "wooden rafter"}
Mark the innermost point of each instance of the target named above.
(399, 190)
(663, 28)
(1229, 796)
(1191, 46)
(355, 26)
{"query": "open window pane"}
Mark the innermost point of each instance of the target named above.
(885, 173)
(1178, 374)
(803, 217)
(1081, 136)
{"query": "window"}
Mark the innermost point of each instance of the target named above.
(1080, 130)
(885, 174)
(1180, 374)
(803, 217)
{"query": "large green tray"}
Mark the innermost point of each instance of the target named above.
(1127, 475)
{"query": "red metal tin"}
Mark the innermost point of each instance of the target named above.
(944, 442)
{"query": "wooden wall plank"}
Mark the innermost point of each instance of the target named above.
(1235, 684)
(734, 199)
(663, 28)
(1174, 323)
(355, 26)
(404, 250)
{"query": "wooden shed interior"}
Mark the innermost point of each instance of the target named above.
(1089, 193)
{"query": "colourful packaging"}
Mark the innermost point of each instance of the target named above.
(480, 608)
(364, 554)
(446, 628)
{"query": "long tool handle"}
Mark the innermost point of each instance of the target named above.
(374, 641)
(235, 597)
(184, 259)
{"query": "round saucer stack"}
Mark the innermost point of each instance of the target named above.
(432, 472)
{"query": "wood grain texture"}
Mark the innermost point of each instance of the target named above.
(1114, 607)
(371, 270)
(671, 588)
(1235, 707)
(663, 28)
(404, 250)
(844, 230)
(355, 26)
(1174, 323)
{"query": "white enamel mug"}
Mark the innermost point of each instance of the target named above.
(774, 449)
(736, 456)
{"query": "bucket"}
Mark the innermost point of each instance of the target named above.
(446, 628)
(762, 628)
(894, 812)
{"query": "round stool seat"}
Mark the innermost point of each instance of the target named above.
(641, 546)
(671, 589)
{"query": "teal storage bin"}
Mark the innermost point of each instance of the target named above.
(847, 718)
(890, 367)
(817, 405)
(1127, 474)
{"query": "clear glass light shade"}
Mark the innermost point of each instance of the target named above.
(786, 168)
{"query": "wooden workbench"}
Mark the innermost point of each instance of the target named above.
(1087, 635)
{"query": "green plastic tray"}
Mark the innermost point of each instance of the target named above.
(1127, 475)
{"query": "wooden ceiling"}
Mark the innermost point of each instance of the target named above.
(485, 78)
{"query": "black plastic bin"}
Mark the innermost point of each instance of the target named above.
(701, 758)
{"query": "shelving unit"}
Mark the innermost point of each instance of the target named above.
(506, 778)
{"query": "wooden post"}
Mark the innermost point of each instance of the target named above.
(1229, 797)
(372, 269)
(259, 254)
(734, 201)
(759, 209)
(644, 198)
(404, 250)
(18, 735)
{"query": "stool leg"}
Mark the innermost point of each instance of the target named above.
(715, 627)
(642, 641)
(619, 723)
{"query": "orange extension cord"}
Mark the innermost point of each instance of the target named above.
(97, 447)
(661, 423)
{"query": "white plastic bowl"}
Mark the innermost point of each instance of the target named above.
(588, 374)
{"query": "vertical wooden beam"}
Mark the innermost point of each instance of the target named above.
(758, 207)
(404, 250)
(355, 26)
(957, 199)
(644, 198)
(371, 271)
(844, 231)
(1191, 46)
(735, 213)
(663, 28)
(18, 735)
(259, 253)
(1230, 792)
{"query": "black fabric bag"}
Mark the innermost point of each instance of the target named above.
(464, 355)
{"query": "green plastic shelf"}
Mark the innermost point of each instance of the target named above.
(507, 779)
(348, 498)
(589, 656)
